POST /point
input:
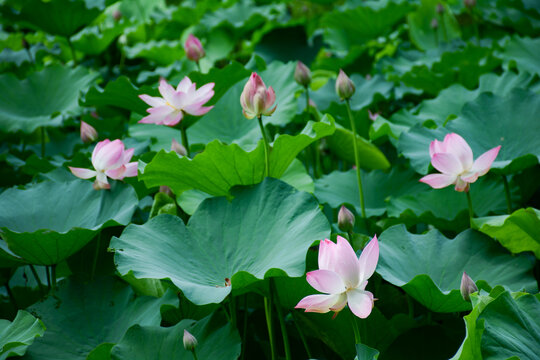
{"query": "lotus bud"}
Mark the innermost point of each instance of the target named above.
(178, 148)
(344, 86)
(88, 133)
(193, 48)
(469, 3)
(434, 23)
(256, 99)
(117, 15)
(372, 116)
(345, 219)
(467, 287)
(302, 74)
(166, 190)
(440, 8)
(190, 342)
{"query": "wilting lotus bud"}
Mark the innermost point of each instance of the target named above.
(469, 3)
(256, 99)
(302, 74)
(345, 219)
(440, 8)
(178, 148)
(117, 15)
(88, 133)
(190, 342)
(344, 86)
(434, 23)
(193, 48)
(467, 287)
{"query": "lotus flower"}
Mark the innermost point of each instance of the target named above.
(193, 48)
(256, 99)
(109, 160)
(453, 157)
(169, 110)
(88, 133)
(343, 277)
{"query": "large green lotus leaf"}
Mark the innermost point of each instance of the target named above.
(524, 51)
(264, 231)
(7, 258)
(226, 121)
(220, 167)
(163, 52)
(349, 26)
(364, 352)
(217, 339)
(94, 40)
(339, 188)
(48, 222)
(161, 136)
(487, 121)
(85, 316)
(370, 157)
(413, 262)
(33, 102)
(16, 336)
(517, 232)
(447, 208)
(63, 17)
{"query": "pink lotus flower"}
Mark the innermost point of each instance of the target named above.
(343, 277)
(109, 160)
(256, 99)
(193, 48)
(169, 110)
(453, 157)
(88, 133)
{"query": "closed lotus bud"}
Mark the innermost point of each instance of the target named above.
(88, 133)
(302, 74)
(345, 219)
(193, 48)
(467, 287)
(256, 99)
(440, 8)
(178, 148)
(190, 342)
(344, 86)
(469, 3)
(117, 15)
(166, 190)
(434, 23)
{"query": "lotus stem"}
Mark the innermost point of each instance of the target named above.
(42, 135)
(38, 280)
(354, 324)
(185, 142)
(244, 328)
(194, 355)
(268, 313)
(471, 212)
(232, 309)
(301, 333)
(282, 325)
(357, 161)
(507, 193)
(48, 277)
(266, 148)
(73, 54)
(96, 254)
(53, 279)
(10, 294)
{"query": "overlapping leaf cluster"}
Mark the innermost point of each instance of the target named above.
(119, 273)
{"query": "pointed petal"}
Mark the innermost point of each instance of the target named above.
(117, 174)
(98, 148)
(318, 303)
(326, 254)
(109, 156)
(436, 147)
(197, 110)
(152, 101)
(438, 181)
(483, 163)
(368, 259)
(326, 281)
(360, 302)
(457, 146)
(82, 173)
(184, 85)
(131, 169)
(166, 90)
(173, 118)
(446, 163)
(345, 263)
(128, 154)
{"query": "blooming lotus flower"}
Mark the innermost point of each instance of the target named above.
(109, 160)
(256, 99)
(193, 48)
(453, 157)
(88, 133)
(169, 110)
(343, 277)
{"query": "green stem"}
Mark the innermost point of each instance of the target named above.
(354, 323)
(244, 332)
(268, 313)
(471, 213)
(11, 297)
(38, 280)
(410, 306)
(96, 254)
(357, 162)
(282, 325)
(232, 309)
(73, 54)
(48, 277)
(42, 133)
(507, 193)
(301, 333)
(185, 142)
(194, 355)
(53, 279)
(266, 147)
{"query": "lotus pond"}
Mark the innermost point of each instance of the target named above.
(253, 179)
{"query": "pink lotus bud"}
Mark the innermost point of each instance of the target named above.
(434, 23)
(345, 219)
(344, 86)
(117, 15)
(256, 99)
(372, 116)
(440, 8)
(467, 287)
(166, 190)
(193, 48)
(469, 3)
(178, 148)
(190, 342)
(302, 74)
(88, 133)
(312, 103)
